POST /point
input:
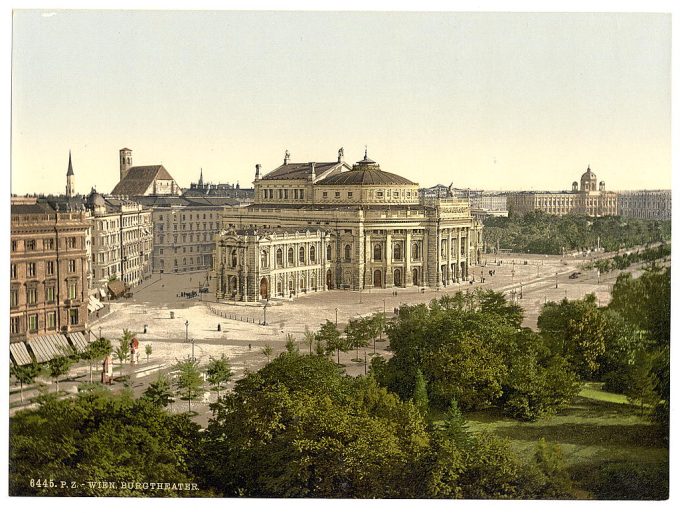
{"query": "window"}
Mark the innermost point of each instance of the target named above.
(71, 266)
(337, 194)
(73, 316)
(264, 259)
(302, 194)
(51, 320)
(397, 251)
(30, 245)
(348, 253)
(302, 255)
(31, 296)
(234, 258)
(325, 194)
(15, 245)
(291, 256)
(15, 325)
(49, 268)
(415, 251)
(13, 271)
(379, 194)
(72, 289)
(70, 242)
(13, 298)
(33, 323)
(329, 251)
(285, 194)
(160, 218)
(30, 269)
(312, 254)
(349, 194)
(377, 252)
(279, 256)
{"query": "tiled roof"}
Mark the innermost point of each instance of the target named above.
(366, 176)
(34, 208)
(300, 170)
(139, 179)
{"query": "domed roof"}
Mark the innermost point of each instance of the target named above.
(366, 172)
(95, 199)
(366, 177)
(588, 175)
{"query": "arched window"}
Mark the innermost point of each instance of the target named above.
(348, 253)
(234, 258)
(397, 251)
(377, 252)
(264, 260)
(415, 251)
(291, 256)
(279, 256)
(301, 255)
(312, 254)
(329, 252)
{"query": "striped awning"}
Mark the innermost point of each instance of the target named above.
(78, 340)
(19, 353)
(47, 347)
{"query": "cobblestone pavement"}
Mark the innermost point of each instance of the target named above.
(164, 305)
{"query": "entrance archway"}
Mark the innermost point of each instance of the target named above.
(329, 279)
(264, 288)
(233, 286)
(415, 276)
(397, 277)
(377, 278)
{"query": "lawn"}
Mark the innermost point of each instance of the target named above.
(603, 440)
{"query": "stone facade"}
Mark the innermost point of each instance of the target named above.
(48, 270)
(371, 227)
(122, 237)
(645, 204)
(590, 199)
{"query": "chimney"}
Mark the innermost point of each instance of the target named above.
(313, 170)
(257, 171)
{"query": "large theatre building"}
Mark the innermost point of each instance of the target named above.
(325, 225)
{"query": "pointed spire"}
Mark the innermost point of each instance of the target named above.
(366, 152)
(70, 165)
(200, 180)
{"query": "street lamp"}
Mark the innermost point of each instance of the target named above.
(336, 317)
(521, 294)
(555, 280)
(264, 311)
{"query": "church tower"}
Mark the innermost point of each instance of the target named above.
(70, 186)
(125, 162)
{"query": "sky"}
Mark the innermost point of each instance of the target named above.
(499, 101)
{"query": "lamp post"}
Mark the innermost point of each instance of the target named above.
(555, 280)
(100, 332)
(521, 293)
(186, 338)
(336, 317)
(264, 311)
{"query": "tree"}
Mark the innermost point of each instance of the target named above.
(218, 372)
(643, 383)
(420, 394)
(290, 343)
(147, 350)
(267, 350)
(159, 392)
(96, 351)
(356, 334)
(97, 434)
(25, 375)
(122, 353)
(329, 335)
(189, 381)
(455, 426)
(309, 337)
(59, 366)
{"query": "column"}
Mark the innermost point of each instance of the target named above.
(389, 276)
(449, 248)
(458, 276)
(408, 276)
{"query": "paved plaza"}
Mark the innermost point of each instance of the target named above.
(165, 303)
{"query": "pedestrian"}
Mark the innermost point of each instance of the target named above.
(107, 370)
(219, 327)
(249, 347)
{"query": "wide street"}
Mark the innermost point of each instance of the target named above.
(178, 324)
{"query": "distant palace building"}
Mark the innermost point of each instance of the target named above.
(326, 225)
(589, 199)
(653, 204)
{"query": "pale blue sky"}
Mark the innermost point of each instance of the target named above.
(483, 100)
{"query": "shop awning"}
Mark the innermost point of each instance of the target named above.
(78, 340)
(47, 347)
(19, 353)
(116, 287)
